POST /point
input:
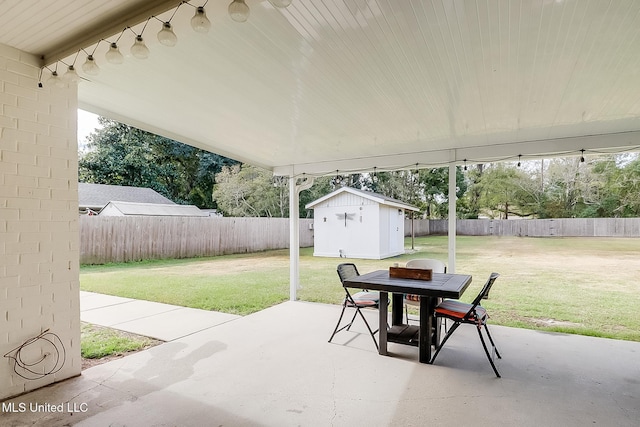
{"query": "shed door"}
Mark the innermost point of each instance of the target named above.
(396, 241)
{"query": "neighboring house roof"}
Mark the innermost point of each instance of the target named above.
(117, 208)
(379, 198)
(96, 196)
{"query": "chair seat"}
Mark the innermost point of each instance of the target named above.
(463, 313)
(457, 310)
(360, 300)
(365, 299)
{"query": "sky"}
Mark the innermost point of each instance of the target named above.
(87, 123)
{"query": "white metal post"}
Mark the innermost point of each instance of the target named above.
(294, 239)
(294, 232)
(452, 218)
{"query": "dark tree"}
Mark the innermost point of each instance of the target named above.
(122, 155)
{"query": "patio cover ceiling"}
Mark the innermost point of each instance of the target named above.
(350, 85)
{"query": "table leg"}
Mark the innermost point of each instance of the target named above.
(382, 324)
(438, 324)
(427, 307)
(397, 315)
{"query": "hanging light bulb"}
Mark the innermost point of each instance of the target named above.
(280, 3)
(90, 67)
(239, 11)
(200, 23)
(582, 156)
(139, 49)
(519, 156)
(71, 77)
(166, 36)
(113, 55)
(55, 80)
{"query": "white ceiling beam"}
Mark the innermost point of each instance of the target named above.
(558, 147)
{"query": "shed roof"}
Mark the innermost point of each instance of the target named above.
(156, 209)
(97, 196)
(379, 198)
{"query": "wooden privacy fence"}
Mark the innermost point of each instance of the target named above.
(122, 239)
(561, 227)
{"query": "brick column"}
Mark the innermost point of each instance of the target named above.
(39, 273)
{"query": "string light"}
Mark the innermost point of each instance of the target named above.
(239, 11)
(55, 80)
(484, 160)
(338, 179)
(139, 49)
(200, 23)
(166, 36)
(90, 67)
(71, 76)
(113, 55)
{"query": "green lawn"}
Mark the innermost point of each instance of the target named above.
(97, 342)
(577, 285)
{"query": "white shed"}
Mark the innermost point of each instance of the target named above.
(353, 223)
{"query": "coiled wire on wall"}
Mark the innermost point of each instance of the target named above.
(50, 359)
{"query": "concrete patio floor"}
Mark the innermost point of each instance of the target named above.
(275, 368)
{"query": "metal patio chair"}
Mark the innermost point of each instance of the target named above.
(473, 314)
(359, 300)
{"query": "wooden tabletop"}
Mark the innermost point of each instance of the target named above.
(442, 285)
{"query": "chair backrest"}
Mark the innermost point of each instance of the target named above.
(484, 293)
(346, 271)
(428, 263)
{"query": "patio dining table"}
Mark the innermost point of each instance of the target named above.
(425, 335)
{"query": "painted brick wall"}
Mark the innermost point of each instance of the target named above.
(39, 251)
